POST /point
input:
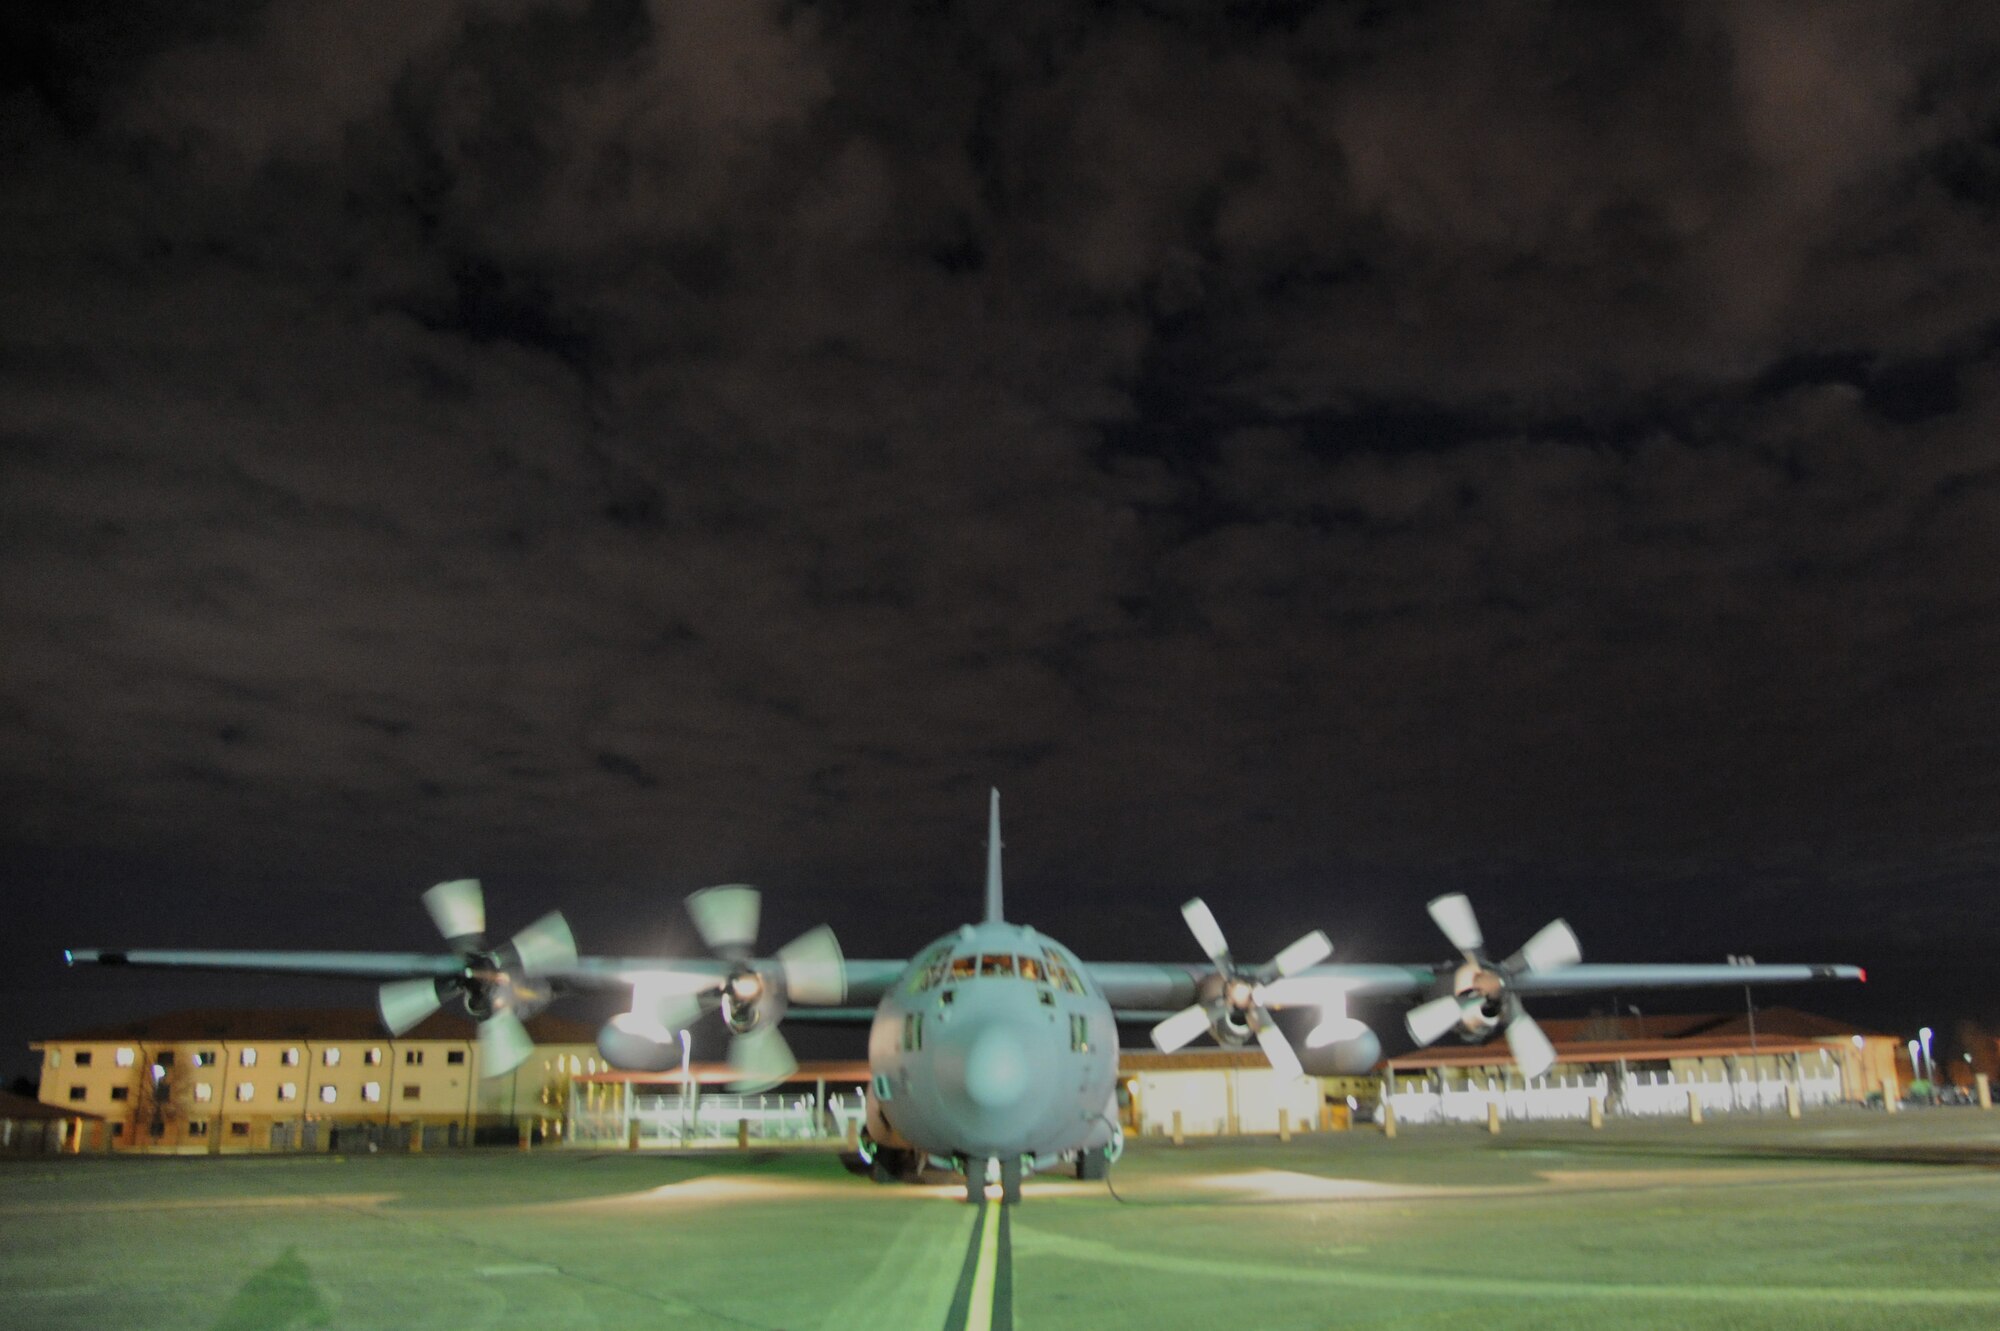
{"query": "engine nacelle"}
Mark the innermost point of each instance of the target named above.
(1341, 1047)
(1481, 995)
(625, 1043)
(1228, 1017)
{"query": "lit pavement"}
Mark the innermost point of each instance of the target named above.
(1849, 1219)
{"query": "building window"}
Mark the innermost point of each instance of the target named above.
(455, 1056)
(198, 1128)
(244, 1090)
(165, 1060)
(248, 1058)
(117, 1129)
(291, 1058)
(239, 1129)
(372, 1092)
(332, 1058)
(121, 1092)
(203, 1092)
(413, 1058)
(326, 1094)
(52, 1058)
(123, 1058)
(204, 1058)
(374, 1057)
(289, 1091)
(410, 1092)
(77, 1092)
(83, 1058)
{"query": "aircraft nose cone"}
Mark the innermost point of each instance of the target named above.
(996, 1069)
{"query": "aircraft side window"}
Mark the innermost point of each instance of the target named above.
(913, 1030)
(996, 963)
(1031, 969)
(1079, 1032)
(1071, 982)
(964, 968)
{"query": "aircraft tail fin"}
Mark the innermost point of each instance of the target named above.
(994, 914)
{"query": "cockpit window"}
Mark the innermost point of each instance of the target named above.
(964, 968)
(1031, 969)
(996, 963)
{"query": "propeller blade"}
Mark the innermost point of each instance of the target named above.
(1531, 1047)
(1201, 920)
(815, 973)
(1428, 1022)
(504, 1044)
(1276, 1047)
(760, 1059)
(404, 1003)
(726, 918)
(458, 908)
(1176, 1031)
(545, 945)
(1454, 916)
(1311, 950)
(1551, 949)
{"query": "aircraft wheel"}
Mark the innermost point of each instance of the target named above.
(1093, 1164)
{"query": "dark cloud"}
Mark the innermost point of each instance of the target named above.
(1309, 453)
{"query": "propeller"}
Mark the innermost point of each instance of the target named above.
(1236, 1001)
(756, 991)
(1481, 995)
(497, 984)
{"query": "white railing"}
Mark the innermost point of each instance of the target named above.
(668, 1120)
(1641, 1094)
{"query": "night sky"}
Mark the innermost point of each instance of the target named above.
(1313, 456)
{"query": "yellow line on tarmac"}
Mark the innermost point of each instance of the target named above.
(979, 1314)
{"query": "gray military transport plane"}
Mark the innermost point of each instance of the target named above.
(996, 1049)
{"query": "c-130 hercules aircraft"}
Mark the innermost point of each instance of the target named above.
(996, 1048)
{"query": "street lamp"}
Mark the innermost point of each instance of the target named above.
(1925, 1036)
(1916, 1068)
(684, 1085)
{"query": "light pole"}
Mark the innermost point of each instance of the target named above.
(1925, 1036)
(684, 1085)
(1916, 1068)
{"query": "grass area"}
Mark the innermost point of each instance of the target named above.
(1843, 1220)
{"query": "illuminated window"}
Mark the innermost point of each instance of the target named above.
(411, 1092)
(203, 1092)
(76, 1092)
(121, 1092)
(372, 1057)
(204, 1058)
(244, 1090)
(289, 1091)
(248, 1058)
(52, 1057)
(124, 1057)
(1031, 969)
(455, 1056)
(413, 1058)
(83, 1058)
(964, 968)
(327, 1094)
(996, 963)
(291, 1058)
(332, 1058)
(1079, 1032)
(372, 1092)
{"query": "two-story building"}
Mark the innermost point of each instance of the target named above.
(304, 1079)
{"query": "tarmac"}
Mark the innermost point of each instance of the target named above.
(1845, 1219)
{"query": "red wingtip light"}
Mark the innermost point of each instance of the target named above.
(1864, 973)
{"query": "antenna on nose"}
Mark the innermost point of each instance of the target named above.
(994, 915)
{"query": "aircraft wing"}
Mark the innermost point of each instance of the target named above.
(1602, 977)
(1143, 987)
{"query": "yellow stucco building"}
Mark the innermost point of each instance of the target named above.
(303, 1079)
